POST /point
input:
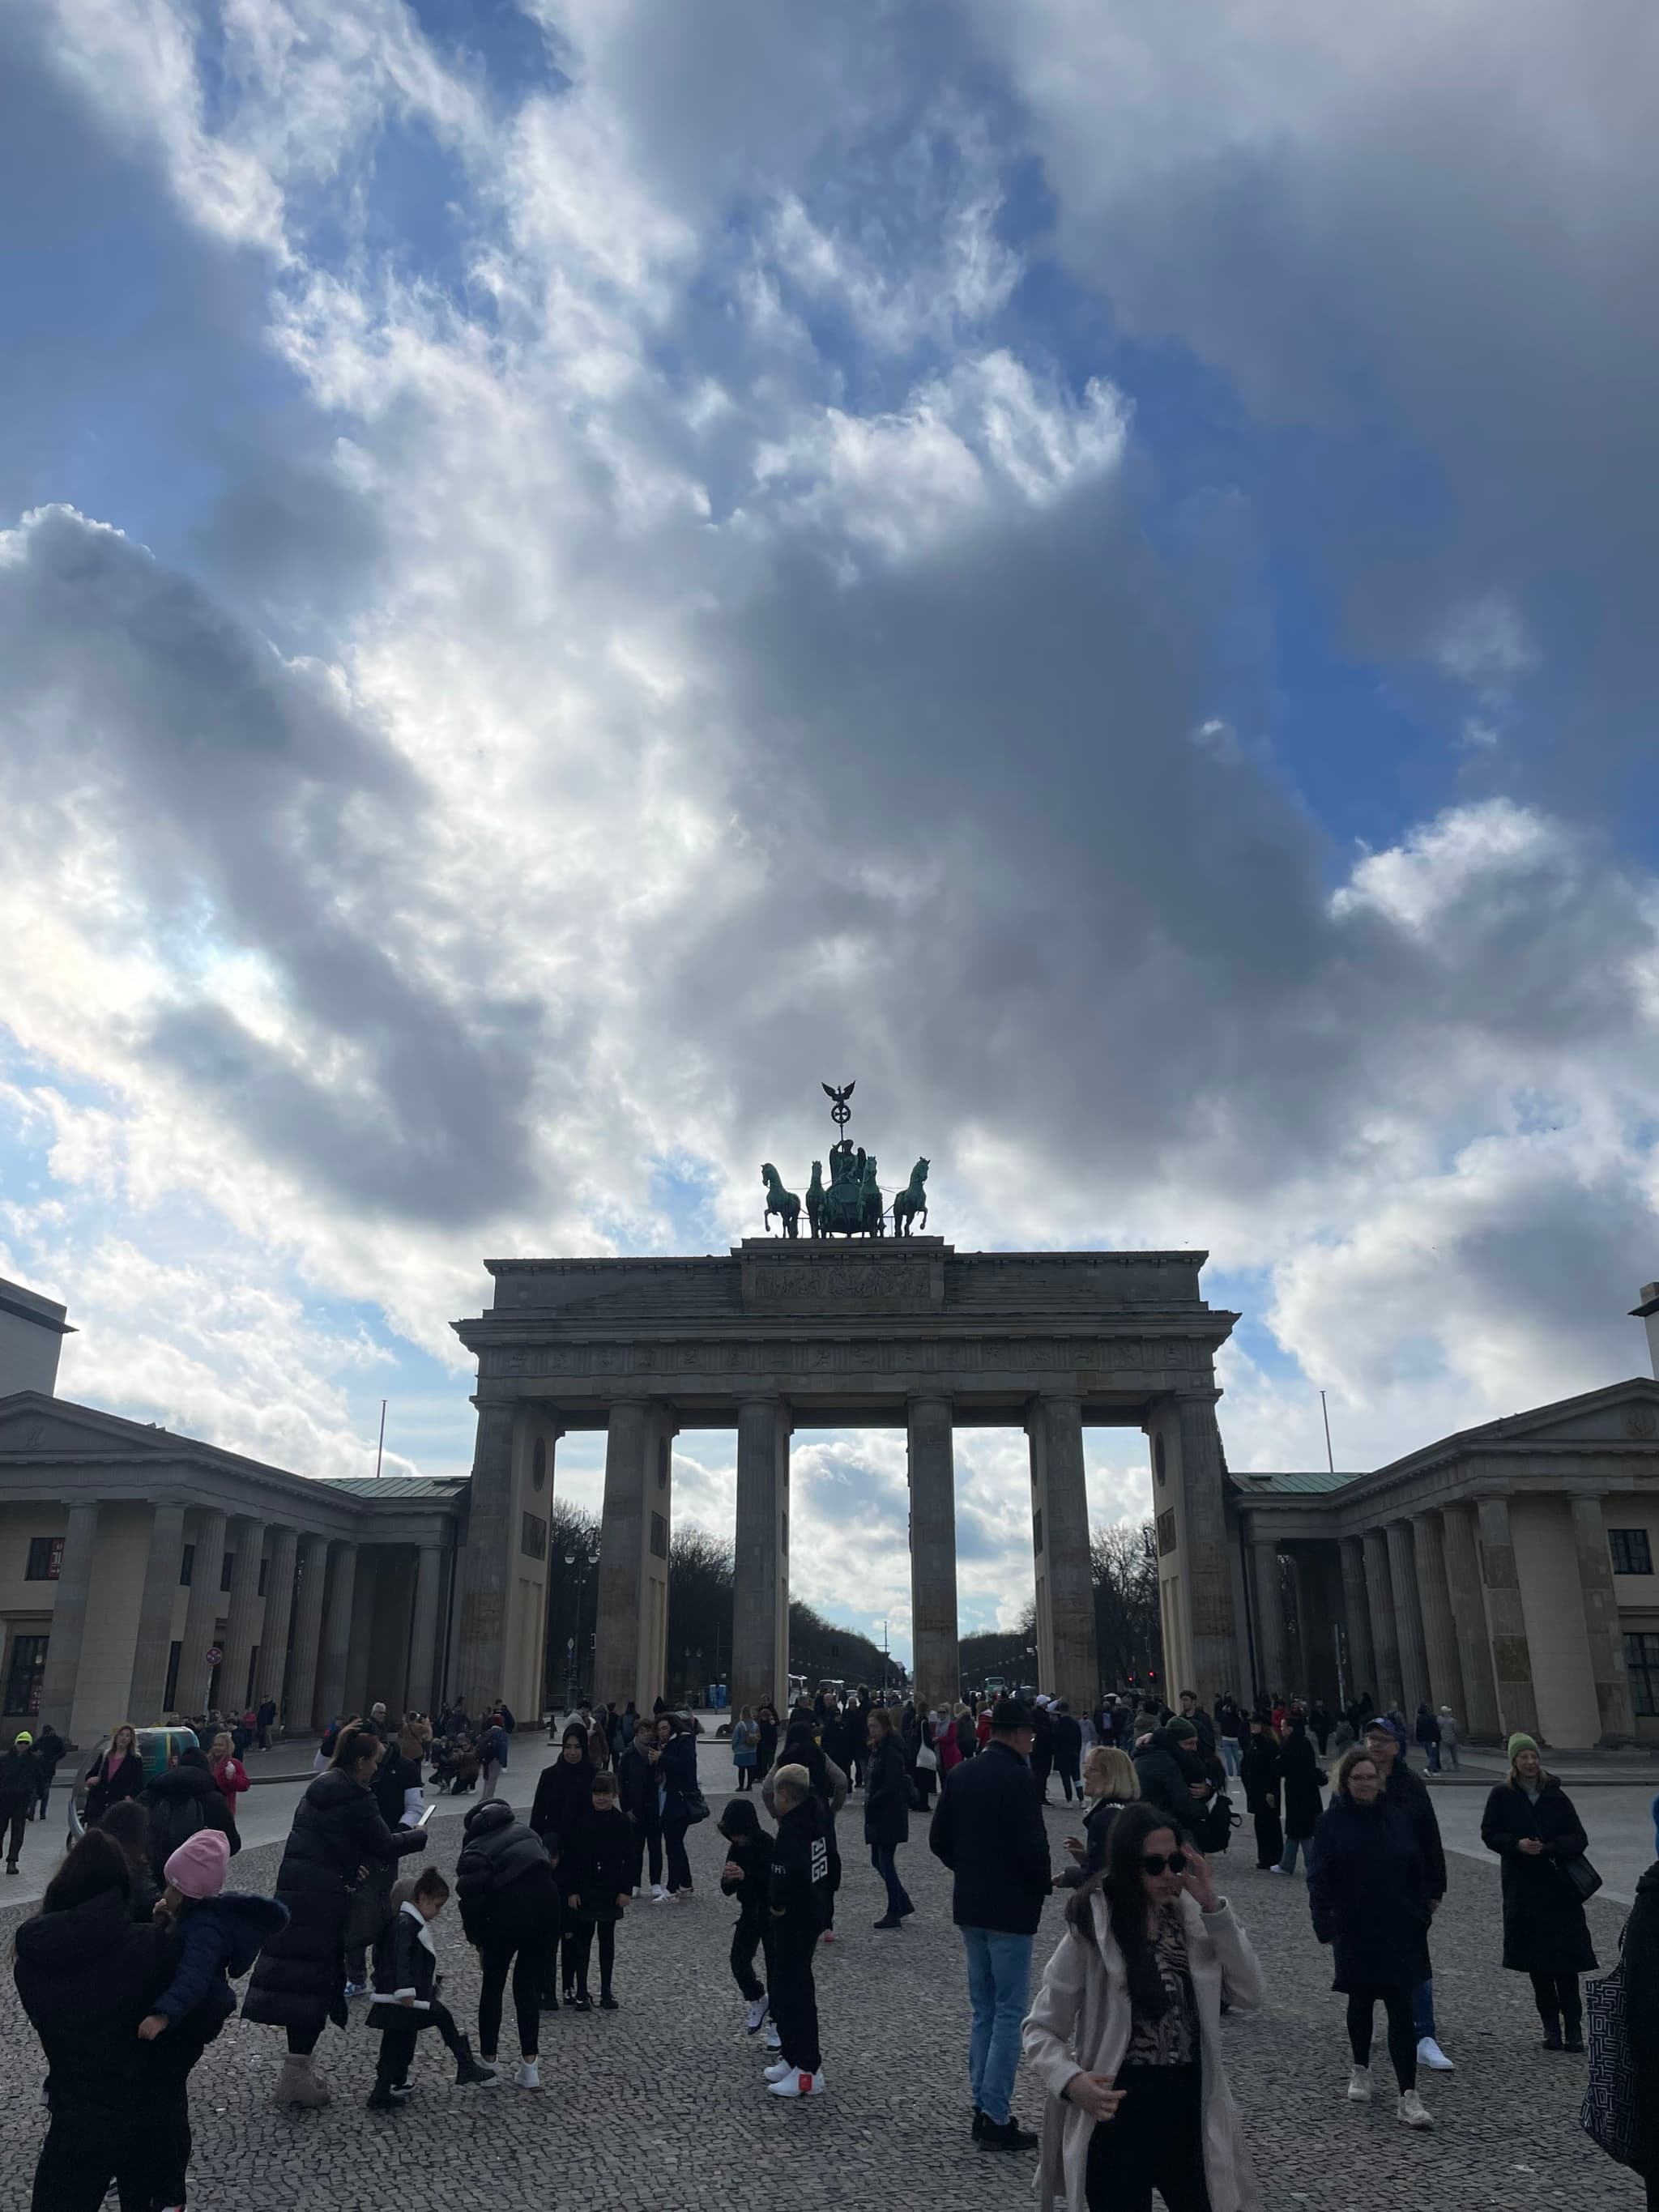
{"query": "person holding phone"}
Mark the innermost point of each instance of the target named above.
(1125, 2033)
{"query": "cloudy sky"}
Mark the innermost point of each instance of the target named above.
(569, 571)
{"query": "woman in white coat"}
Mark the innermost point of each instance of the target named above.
(1126, 2033)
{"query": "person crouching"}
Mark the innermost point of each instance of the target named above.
(404, 2001)
(797, 1907)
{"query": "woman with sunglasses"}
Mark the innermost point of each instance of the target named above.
(1126, 2033)
(1369, 1894)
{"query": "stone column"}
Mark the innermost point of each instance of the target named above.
(491, 1539)
(631, 1640)
(242, 1627)
(424, 1629)
(1206, 1566)
(202, 1612)
(1362, 1665)
(279, 1611)
(69, 1617)
(153, 1646)
(936, 1662)
(1439, 1632)
(337, 1632)
(1511, 1654)
(1607, 1647)
(1407, 1619)
(1067, 1663)
(300, 1708)
(1272, 1645)
(1385, 1637)
(1301, 1645)
(760, 1586)
(1468, 1610)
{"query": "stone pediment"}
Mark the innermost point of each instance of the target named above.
(1624, 1413)
(31, 1423)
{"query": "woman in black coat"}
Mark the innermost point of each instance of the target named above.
(887, 1811)
(564, 1792)
(1529, 1821)
(86, 1975)
(299, 1982)
(118, 1774)
(1639, 1960)
(1368, 1893)
(1258, 1770)
(1299, 1781)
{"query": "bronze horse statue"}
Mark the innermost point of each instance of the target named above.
(815, 1199)
(784, 1203)
(911, 1201)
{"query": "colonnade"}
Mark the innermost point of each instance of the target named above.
(1511, 1626)
(289, 1619)
(631, 1636)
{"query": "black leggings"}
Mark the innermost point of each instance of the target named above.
(302, 2041)
(649, 1839)
(1558, 2001)
(679, 1867)
(527, 1960)
(1155, 2142)
(398, 2044)
(579, 1949)
(747, 1937)
(85, 2151)
(1403, 2035)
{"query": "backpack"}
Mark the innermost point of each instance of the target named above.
(1212, 1828)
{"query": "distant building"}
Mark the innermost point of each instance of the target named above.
(1508, 1571)
(143, 1572)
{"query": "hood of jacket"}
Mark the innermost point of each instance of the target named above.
(1649, 1884)
(483, 1821)
(332, 1789)
(249, 1923)
(179, 1783)
(75, 1941)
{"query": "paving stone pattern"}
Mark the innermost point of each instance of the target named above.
(659, 2108)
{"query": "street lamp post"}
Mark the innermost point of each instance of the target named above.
(579, 1560)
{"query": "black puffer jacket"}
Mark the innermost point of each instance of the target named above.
(1163, 1779)
(886, 1795)
(1300, 1770)
(1545, 1931)
(86, 1978)
(1369, 1896)
(300, 1979)
(1409, 1794)
(178, 1802)
(504, 1878)
(563, 1800)
(637, 1779)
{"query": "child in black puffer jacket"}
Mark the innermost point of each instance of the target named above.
(746, 1875)
(404, 1999)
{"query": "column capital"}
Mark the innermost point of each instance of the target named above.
(1199, 1397)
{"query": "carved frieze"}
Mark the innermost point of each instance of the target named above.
(1115, 1364)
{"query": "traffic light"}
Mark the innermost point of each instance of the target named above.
(1152, 1674)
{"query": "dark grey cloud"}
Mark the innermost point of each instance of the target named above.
(256, 810)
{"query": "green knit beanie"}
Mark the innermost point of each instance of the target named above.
(1181, 1731)
(1519, 1743)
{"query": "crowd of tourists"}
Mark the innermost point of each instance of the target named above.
(129, 1970)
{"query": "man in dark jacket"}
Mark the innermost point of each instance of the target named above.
(1299, 1788)
(49, 1748)
(20, 1786)
(1410, 1793)
(1164, 1781)
(797, 1908)
(1193, 1711)
(1068, 1750)
(988, 1830)
(637, 1779)
(1043, 1746)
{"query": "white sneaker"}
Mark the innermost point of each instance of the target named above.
(799, 2085)
(1359, 2085)
(1429, 2054)
(529, 2075)
(657, 1892)
(1412, 2113)
(776, 2072)
(356, 1988)
(755, 2019)
(773, 2040)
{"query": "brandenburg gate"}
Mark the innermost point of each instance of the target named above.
(898, 1331)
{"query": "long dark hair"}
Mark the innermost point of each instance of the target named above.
(1120, 1882)
(96, 1863)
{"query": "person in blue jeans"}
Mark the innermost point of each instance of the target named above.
(987, 1828)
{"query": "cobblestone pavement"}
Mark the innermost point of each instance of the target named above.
(659, 2107)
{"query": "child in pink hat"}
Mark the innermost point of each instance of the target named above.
(216, 1936)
